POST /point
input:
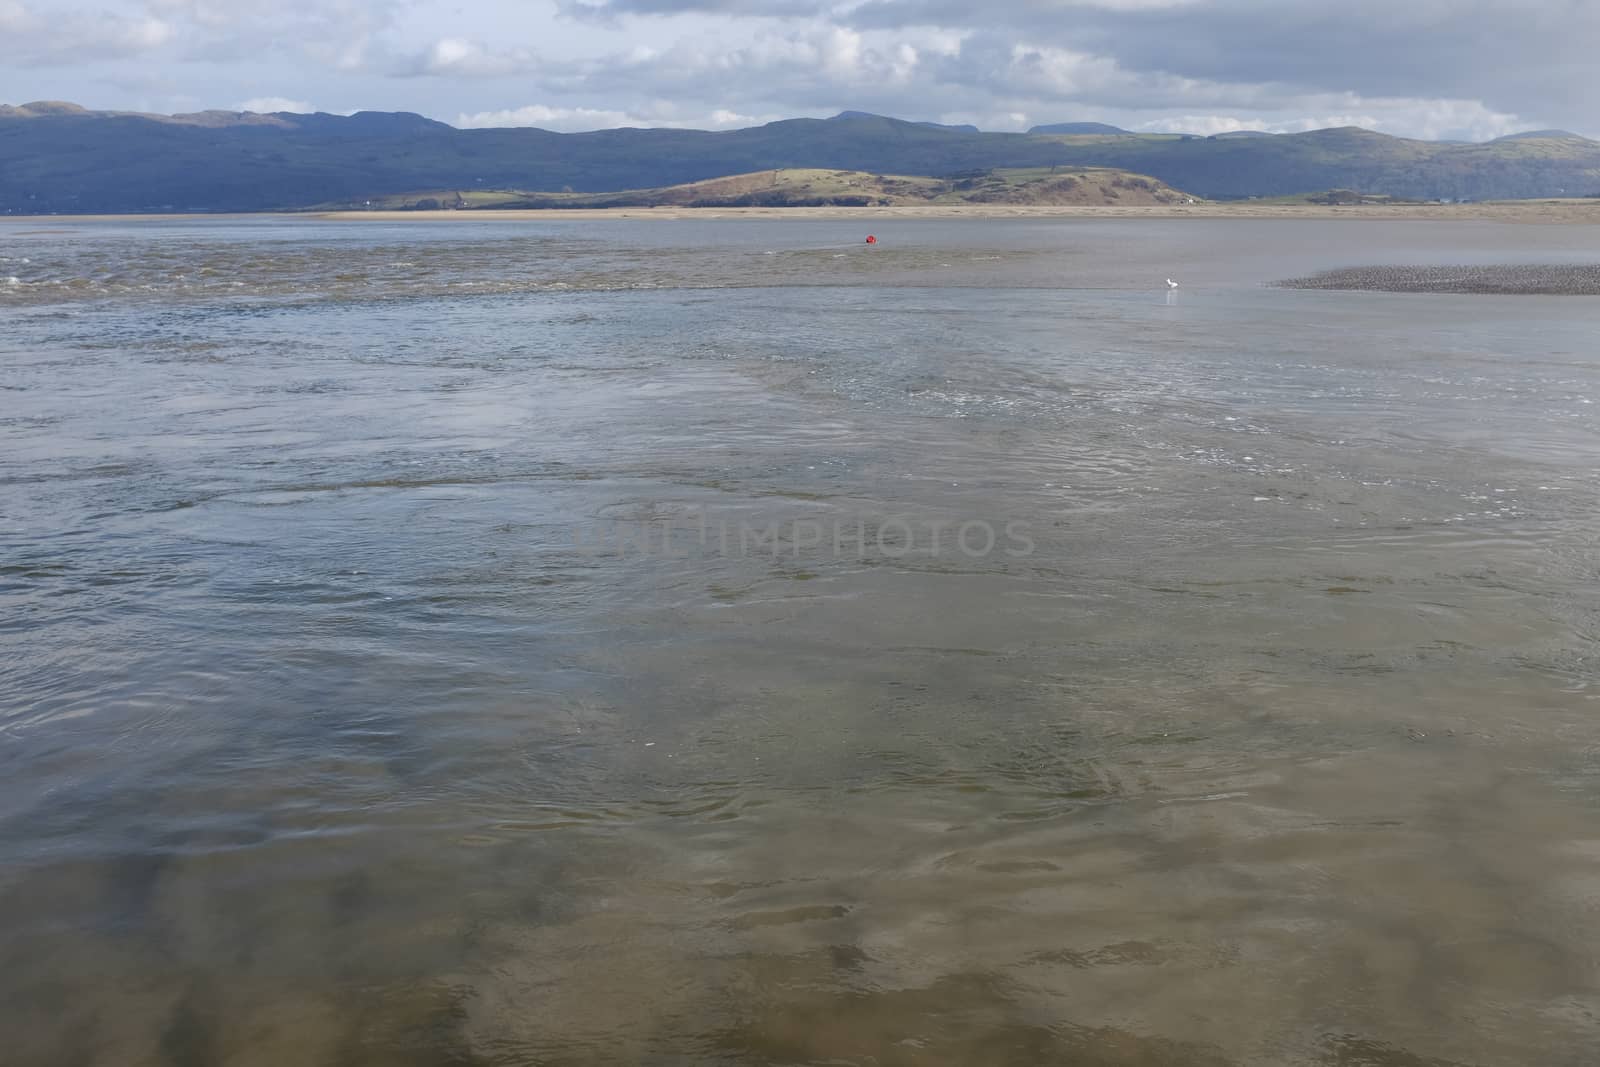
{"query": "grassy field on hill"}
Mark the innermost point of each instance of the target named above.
(818, 187)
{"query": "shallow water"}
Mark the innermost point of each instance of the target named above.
(429, 644)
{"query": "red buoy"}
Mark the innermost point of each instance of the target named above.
(871, 240)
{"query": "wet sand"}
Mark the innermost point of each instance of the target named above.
(1528, 279)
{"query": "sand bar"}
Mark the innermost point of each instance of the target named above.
(1536, 279)
(1562, 212)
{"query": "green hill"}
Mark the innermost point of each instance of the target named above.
(1079, 128)
(1038, 186)
(59, 158)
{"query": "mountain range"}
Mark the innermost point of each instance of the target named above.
(57, 157)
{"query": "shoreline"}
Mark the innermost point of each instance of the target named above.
(1537, 211)
(1545, 212)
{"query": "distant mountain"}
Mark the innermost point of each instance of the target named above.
(398, 122)
(884, 118)
(1238, 135)
(1542, 135)
(60, 158)
(1078, 129)
(40, 108)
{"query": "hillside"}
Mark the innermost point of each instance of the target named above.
(1079, 128)
(59, 158)
(1041, 186)
(965, 128)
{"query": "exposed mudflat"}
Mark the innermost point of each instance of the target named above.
(1557, 279)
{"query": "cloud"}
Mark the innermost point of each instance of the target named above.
(1510, 54)
(266, 105)
(572, 120)
(810, 67)
(336, 34)
(1511, 57)
(550, 118)
(612, 9)
(1447, 68)
(31, 36)
(789, 67)
(459, 57)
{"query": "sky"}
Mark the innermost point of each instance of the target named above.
(1437, 69)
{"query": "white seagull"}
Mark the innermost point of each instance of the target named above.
(1171, 284)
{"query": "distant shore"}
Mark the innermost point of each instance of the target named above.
(1510, 211)
(1530, 211)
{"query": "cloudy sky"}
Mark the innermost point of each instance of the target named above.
(1425, 68)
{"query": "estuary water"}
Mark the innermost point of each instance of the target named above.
(719, 641)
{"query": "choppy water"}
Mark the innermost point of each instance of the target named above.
(333, 732)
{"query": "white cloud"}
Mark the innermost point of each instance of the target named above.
(1424, 119)
(577, 119)
(33, 36)
(266, 105)
(1427, 68)
(459, 57)
(566, 119)
(338, 35)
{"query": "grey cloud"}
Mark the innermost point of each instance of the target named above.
(1526, 55)
(1529, 56)
(332, 33)
(816, 68)
(610, 9)
(1424, 67)
(33, 36)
